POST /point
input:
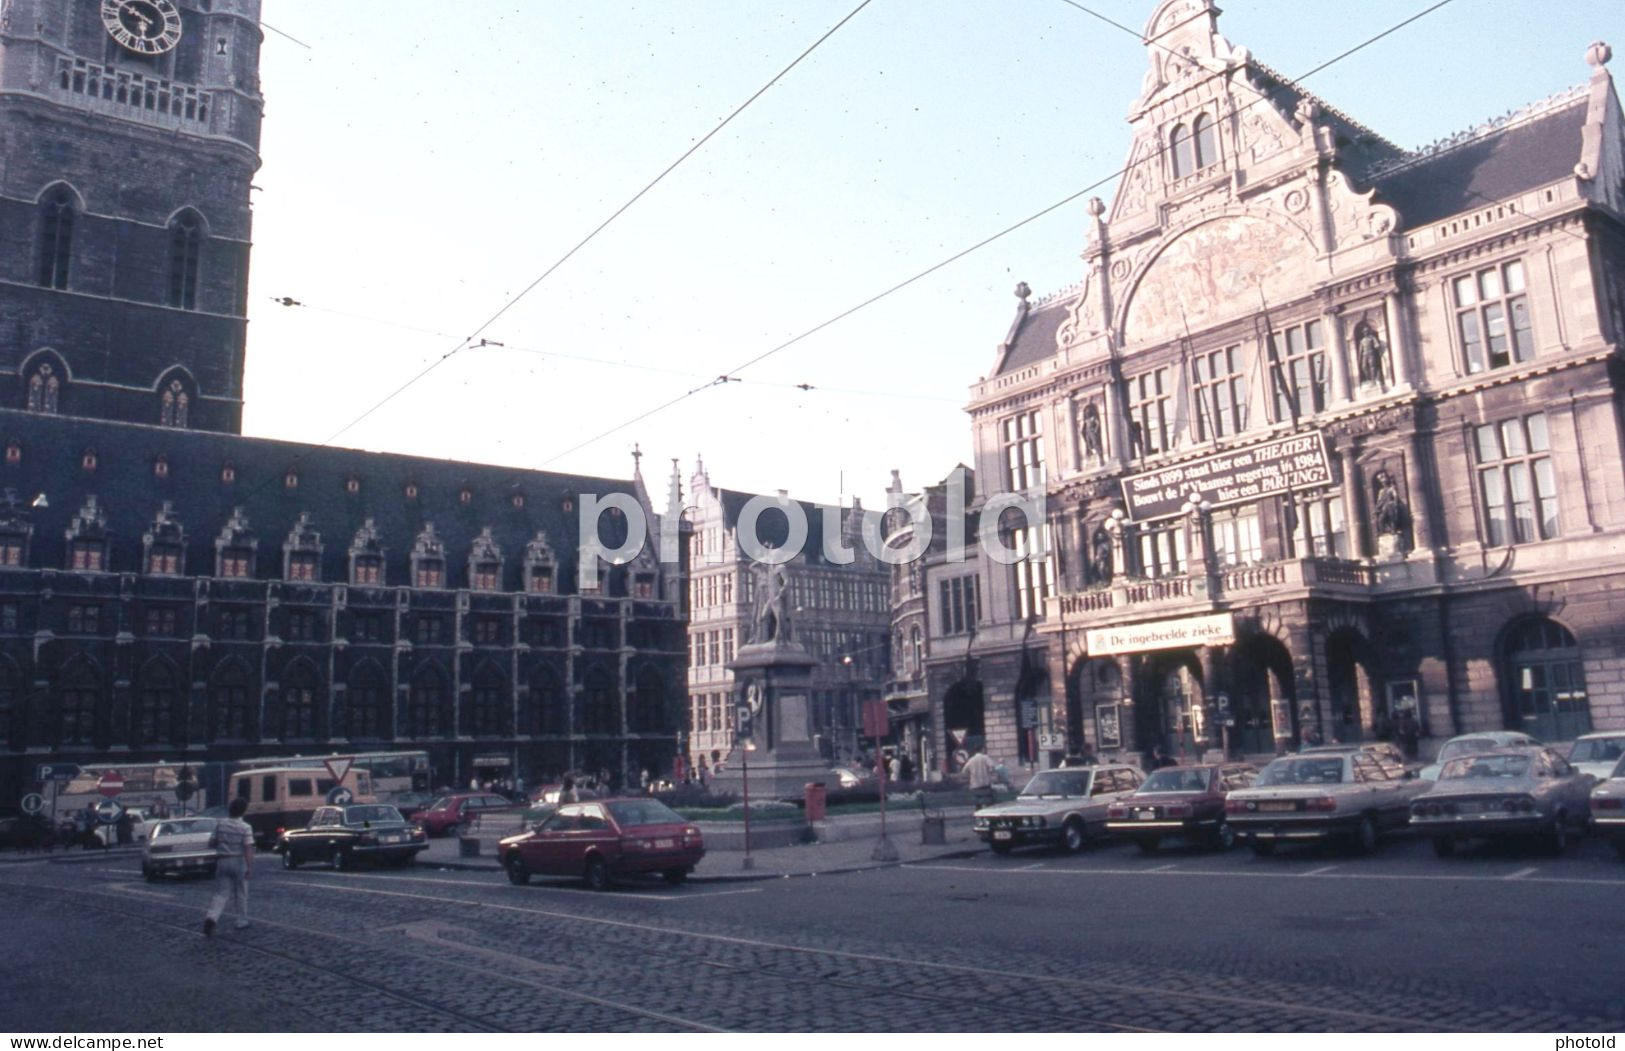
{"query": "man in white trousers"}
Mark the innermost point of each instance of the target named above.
(234, 841)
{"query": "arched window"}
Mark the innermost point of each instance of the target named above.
(44, 388)
(299, 702)
(1181, 146)
(427, 712)
(598, 705)
(647, 707)
(228, 704)
(1547, 680)
(57, 213)
(174, 405)
(79, 699)
(185, 246)
(153, 722)
(366, 703)
(546, 711)
(1206, 142)
(491, 716)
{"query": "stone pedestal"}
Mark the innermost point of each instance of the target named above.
(777, 676)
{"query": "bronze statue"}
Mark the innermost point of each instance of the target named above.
(772, 613)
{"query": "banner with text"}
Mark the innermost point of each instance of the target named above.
(1238, 477)
(1218, 629)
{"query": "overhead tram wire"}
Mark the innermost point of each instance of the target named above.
(469, 340)
(898, 287)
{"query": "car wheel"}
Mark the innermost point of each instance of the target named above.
(1263, 847)
(1224, 837)
(596, 875)
(289, 859)
(518, 874)
(342, 862)
(1148, 844)
(676, 877)
(1444, 846)
(1365, 836)
(1073, 836)
(1557, 840)
(1000, 848)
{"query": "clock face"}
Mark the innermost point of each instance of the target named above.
(149, 27)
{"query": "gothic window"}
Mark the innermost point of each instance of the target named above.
(548, 709)
(367, 703)
(302, 625)
(234, 622)
(1298, 371)
(153, 722)
(598, 705)
(174, 405)
(1492, 317)
(1204, 141)
(235, 547)
(487, 631)
(44, 389)
(1516, 481)
(1182, 148)
(427, 711)
(366, 555)
(299, 692)
(646, 708)
(79, 699)
(490, 714)
(185, 247)
(162, 621)
(84, 618)
(428, 629)
(57, 214)
(302, 551)
(228, 704)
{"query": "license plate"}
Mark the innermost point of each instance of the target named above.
(665, 844)
(1276, 808)
(1145, 815)
(1469, 808)
(1001, 835)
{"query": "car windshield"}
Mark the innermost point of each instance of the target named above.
(630, 813)
(183, 828)
(372, 815)
(442, 803)
(1174, 779)
(1327, 771)
(1481, 766)
(1597, 750)
(1057, 783)
(1466, 746)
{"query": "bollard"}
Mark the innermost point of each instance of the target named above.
(933, 831)
(814, 795)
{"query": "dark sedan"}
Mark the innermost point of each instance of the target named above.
(342, 836)
(1181, 801)
(602, 841)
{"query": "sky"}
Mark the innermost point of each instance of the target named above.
(424, 164)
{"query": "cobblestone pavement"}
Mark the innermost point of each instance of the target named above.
(1104, 940)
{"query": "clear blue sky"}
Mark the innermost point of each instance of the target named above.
(424, 162)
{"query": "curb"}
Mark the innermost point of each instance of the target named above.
(752, 876)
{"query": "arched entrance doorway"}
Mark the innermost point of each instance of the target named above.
(1173, 711)
(962, 720)
(1097, 706)
(1357, 709)
(1545, 680)
(1262, 700)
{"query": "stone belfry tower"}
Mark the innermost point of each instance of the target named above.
(129, 134)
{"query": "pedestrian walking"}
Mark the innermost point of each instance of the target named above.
(234, 843)
(980, 773)
(1407, 730)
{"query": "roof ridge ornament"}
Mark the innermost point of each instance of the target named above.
(1494, 126)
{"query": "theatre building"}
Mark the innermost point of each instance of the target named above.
(1330, 430)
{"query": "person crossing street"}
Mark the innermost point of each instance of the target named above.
(234, 842)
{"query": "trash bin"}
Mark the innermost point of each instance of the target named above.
(933, 830)
(468, 847)
(814, 795)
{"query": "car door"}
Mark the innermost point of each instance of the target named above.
(548, 850)
(599, 834)
(1379, 793)
(1573, 787)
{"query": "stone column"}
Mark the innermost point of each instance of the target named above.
(1399, 347)
(1341, 386)
(1351, 503)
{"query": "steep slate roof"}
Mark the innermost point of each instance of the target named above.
(128, 490)
(772, 527)
(1034, 337)
(1486, 168)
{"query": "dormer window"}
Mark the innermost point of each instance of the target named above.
(13, 550)
(14, 453)
(367, 556)
(87, 538)
(487, 576)
(367, 569)
(302, 552)
(429, 573)
(88, 460)
(160, 467)
(88, 555)
(228, 474)
(643, 585)
(164, 560)
(237, 562)
(485, 563)
(428, 559)
(540, 562)
(304, 565)
(15, 531)
(234, 548)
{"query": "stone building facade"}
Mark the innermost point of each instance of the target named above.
(840, 613)
(1330, 431)
(173, 591)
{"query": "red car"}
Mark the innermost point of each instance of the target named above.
(604, 840)
(1180, 801)
(449, 815)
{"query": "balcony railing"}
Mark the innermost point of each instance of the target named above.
(134, 95)
(1232, 584)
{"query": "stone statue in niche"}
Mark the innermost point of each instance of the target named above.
(1371, 355)
(1388, 513)
(1100, 556)
(1091, 432)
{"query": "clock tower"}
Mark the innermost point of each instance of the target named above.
(129, 134)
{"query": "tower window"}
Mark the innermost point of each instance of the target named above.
(174, 405)
(56, 238)
(44, 389)
(1205, 142)
(185, 246)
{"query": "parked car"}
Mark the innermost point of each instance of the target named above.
(180, 846)
(1597, 754)
(1384, 749)
(345, 835)
(550, 794)
(409, 803)
(450, 814)
(1608, 807)
(1467, 744)
(141, 821)
(846, 777)
(1182, 801)
(1065, 807)
(1511, 792)
(1351, 795)
(603, 841)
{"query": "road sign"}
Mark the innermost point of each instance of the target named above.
(57, 772)
(1051, 741)
(338, 766)
(876, 719)
(110, 784)
(743, 727)
(33, 803)
(339, 796)
(107, 811)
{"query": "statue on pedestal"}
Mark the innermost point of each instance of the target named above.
(772, 611)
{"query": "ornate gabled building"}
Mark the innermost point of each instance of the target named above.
(1330, 431)
(171, 590)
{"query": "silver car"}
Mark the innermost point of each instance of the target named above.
(180, 845)
(1351, 795)
(1066, 807)
(1515, 791)
(1597, 754)
(1468, 744)
(1608, 807)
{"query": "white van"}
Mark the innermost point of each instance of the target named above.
(284, 797)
